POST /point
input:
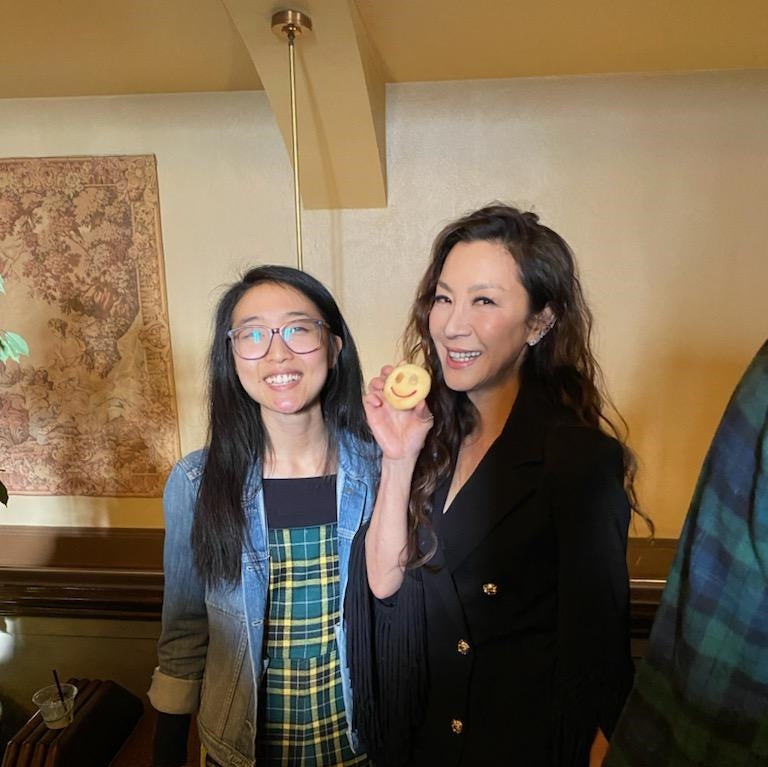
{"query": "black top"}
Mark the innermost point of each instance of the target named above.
(299, 501)
(526, 602)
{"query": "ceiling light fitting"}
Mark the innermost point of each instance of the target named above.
(290, 25)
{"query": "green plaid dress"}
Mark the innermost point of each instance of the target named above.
(301, 706)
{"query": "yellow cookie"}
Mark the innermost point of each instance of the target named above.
(406, 386)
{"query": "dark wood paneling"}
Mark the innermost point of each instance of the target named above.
(87, 572)
(649, 562)
(71, 593)
(107, 548)
(650, 559)
(117, 573)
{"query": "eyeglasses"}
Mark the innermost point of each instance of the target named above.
(252, 342)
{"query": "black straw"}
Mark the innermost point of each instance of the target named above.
(58, 687)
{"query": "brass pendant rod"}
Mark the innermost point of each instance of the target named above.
(295, 147)
(291, 24)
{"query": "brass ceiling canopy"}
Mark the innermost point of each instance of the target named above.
(291, 24)
(287, 23)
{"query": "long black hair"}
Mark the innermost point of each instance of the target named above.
(561, 363)
(236, 432)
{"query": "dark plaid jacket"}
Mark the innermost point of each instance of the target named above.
(701, 695)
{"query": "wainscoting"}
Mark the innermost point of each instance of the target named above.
(87, 601)
(116, 573)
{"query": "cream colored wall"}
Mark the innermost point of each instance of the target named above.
(659, 183)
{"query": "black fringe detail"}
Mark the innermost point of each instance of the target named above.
(386, 650)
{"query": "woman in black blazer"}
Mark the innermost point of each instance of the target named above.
(495, 629)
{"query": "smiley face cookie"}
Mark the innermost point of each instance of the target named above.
(406, 386)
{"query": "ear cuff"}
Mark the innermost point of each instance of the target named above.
(550, 323)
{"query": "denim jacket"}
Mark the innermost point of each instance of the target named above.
(210, 647)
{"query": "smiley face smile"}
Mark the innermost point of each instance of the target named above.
(399, 379)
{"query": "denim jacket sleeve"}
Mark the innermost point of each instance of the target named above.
(183, 643)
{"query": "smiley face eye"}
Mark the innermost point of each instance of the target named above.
(413, 380)
(399, 378)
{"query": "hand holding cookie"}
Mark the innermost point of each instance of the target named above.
(399, 420)
(406, 386)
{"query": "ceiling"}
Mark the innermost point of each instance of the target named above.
(102, 47)
(62, 48)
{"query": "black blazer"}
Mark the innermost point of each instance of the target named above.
(527, 605)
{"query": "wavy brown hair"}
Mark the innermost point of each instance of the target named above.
(561, 363)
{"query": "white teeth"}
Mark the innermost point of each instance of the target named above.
(463, 356)
(282, 378)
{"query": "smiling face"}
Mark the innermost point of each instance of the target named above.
(480, 320)
(406, 386)
(282, 382)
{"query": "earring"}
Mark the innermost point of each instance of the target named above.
(550, 323)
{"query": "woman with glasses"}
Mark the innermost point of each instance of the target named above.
(258, 532)
(496, 549)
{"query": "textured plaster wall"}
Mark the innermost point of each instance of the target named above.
(659, 183)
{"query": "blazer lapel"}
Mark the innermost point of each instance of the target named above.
(442, 590)
(508, 473)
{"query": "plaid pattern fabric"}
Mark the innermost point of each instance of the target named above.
(303, 591)
(301, 705)
(701, 695)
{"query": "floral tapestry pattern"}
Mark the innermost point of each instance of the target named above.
(92, 410)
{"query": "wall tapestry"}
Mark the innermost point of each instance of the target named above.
(91, 410)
